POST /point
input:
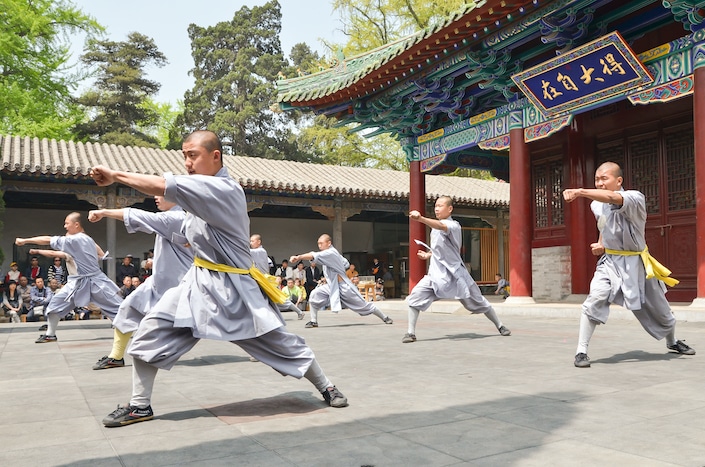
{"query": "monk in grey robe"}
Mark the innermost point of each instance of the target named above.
(621, 275)
(222, 296)
(172, 258)
(447, 275)
(338, 291)
(88, 285)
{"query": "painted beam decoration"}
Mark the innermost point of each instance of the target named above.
(583, 77)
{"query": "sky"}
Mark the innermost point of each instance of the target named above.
(166, 22)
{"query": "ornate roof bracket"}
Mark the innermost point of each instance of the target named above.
(565, 31)
(687, 12)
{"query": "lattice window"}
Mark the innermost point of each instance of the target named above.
(644, 170)
(548, 194)
(612, 151)
(540, 198)
(680, 164)
(555, 175)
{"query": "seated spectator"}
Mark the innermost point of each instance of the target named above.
(502, 286)
(57, 271)
(26, 292)
(150, 256)
(40, 297)
(379, 289)
(136, 282)
(301, 303)
(127, 287)
(34, 270)
(54, 285)
(13, 274)
(285, 271)
(146, 270)
(300, 272)
(12, 302)
(351, 272)
(125, 269)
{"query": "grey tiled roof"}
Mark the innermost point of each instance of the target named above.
(68, 160)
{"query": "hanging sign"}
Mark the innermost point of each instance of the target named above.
(583, 77)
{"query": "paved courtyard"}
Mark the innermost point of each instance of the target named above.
(460, 395)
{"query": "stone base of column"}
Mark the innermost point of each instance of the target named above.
(512, 300)
(698, 303)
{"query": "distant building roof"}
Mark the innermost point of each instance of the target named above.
(25, 157)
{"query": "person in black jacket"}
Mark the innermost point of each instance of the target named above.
(126, 268)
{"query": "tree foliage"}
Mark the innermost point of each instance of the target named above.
(369, 24)
(236, 64)
(35, 79)
(117, 100)
(330, 144)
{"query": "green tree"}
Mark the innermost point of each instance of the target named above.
(35, 78)
(165, 129)
(117, 100)
(369, 24)
(331, 144)
(236, 64)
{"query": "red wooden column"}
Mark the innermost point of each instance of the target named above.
(520, 217)
(699, 129)
(417, 230)
(580, 256)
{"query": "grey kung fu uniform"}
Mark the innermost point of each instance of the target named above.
(211, 304)
(338, 291)
(447, 275)
(171, 261)
(261, 260)
(621, 279)
(89, 284)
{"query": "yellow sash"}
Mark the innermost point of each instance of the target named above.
(267, 283)
(653, 267)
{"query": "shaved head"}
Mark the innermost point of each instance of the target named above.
(613, 167)
(207, 139)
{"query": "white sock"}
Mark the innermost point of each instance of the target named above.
(492, 316)
(143, 376)
(314, 315)
(316, 376)
(379, 314)
(413, 318)
(587, 327)
(671, 336)
(52, 323)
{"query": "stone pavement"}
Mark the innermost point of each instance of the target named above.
(460, 395)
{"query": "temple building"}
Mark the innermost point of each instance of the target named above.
(540, 93)
(289, 203)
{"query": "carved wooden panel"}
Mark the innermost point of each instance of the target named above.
(680, 165)
(644, 169)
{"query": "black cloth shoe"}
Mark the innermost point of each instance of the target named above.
(388, 320)
(107, 362)
(408, 338)
(334, 397)
(503, 330)
(311, 324)
(44, 339)
(682, 348)
(582, 360)
(43, 327)
(128, 414)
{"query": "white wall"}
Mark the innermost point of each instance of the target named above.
(550, 268)
(281, 237)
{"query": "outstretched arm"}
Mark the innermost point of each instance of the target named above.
(48, 253)
(98, 214)
(433, 223)
(148, 184)
(40, 240)
(604, 196)
(297, 258)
